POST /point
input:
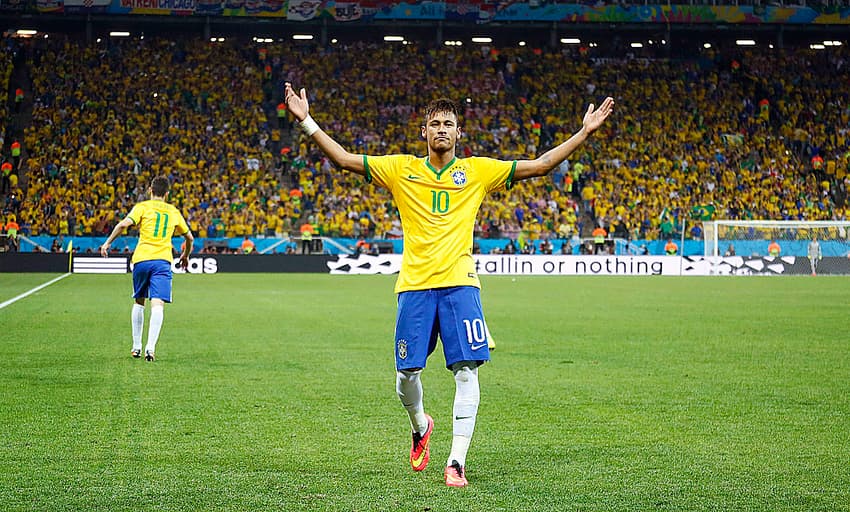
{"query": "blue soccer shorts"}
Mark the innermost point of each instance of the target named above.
(453, 313)
(152, 280)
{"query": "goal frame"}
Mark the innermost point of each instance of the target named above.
(711, 230)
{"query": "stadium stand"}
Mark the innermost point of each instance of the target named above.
(730, 133)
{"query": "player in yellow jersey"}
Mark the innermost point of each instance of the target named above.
(157, 221)
(438, 197)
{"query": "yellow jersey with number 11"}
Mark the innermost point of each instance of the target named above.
(157, 221)
(438, 209)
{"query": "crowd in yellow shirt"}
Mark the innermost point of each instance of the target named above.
(685, 134)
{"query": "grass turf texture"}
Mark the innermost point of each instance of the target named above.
(276, 392)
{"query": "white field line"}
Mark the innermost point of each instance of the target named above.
(37, 288)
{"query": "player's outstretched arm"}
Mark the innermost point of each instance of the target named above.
(116, 232)
(297, 104)
(543, 164)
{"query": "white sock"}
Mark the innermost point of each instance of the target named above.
(137, 320)
(154, 327)
(467, 397)
(409, 389)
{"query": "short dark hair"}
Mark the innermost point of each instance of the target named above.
(441, 105)
(159, 186)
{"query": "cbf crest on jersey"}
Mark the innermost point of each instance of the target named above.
(402, 349)
(459, 177)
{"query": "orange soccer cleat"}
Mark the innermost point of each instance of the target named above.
(420, 452)
(455, 476)
(136, 352)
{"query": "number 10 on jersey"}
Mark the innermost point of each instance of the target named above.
(439, 201)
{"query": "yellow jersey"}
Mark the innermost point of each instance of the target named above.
(157, 221)
(438, 208)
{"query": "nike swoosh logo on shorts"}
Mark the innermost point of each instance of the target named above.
(476, 347)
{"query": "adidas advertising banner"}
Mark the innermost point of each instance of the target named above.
(553, 265)
(505, 264)
(530, 265)
(608, 265)
(767, 266)
(99, 265)
(33, 262)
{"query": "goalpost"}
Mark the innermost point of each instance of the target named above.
(752, 237)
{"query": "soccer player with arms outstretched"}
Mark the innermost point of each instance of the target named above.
(438, 197)
(158, 221)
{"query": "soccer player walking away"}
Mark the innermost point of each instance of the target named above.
(157, 221)
(815, 255)
(438, 197)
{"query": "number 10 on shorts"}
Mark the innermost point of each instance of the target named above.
(476, 332)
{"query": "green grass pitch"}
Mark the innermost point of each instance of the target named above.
(277, 392)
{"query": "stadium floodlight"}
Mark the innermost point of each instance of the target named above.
(482, 39)
(302, 37)
(745, 42)
(706, 45)
(832, 43)
(119, 34)
(394, 39)
(637, 45)
(334, 41)
(522, 43)
(26, 32)
(817, 46)
(570, 40)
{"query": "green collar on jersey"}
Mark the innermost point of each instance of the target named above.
(441, 171)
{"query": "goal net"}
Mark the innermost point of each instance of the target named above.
(793, 238)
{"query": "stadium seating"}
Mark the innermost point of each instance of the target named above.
(728, 134)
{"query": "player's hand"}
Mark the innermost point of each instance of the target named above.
(297, 103)
(593, 119)
(104, 250)
(183, 262)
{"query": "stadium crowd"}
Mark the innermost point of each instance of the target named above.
(730, 134)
